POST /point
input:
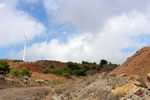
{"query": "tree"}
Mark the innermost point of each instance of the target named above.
(4, 67)
(103, 62)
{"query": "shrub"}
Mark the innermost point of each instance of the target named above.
(4, 67)
(86, 67)
(16, 72)
(81, 72)
(86, 62)
(46, 71)
(16, 60)
(73, 66)
(25, 72)
(94, 63)
(72, 69)
(103, 62)
(98, 68)
(66, 74)
(93, 67)
(51, 66)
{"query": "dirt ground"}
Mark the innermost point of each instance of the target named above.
(30, 93)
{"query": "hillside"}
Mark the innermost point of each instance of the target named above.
(41, 65)
(137, 64)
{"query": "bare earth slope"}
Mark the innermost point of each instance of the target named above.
(138, 64)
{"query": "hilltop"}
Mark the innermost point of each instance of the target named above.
(137, 64)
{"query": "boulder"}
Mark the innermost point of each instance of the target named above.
(127, 89)
(148, 77)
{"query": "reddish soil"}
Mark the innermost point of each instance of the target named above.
(38, 66)
(48, 63)
(47, 76)
(138, 64)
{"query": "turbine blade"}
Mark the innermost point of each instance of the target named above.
(25, 37)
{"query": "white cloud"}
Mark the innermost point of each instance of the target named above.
(15, 23)
(117, 34)
(90, 15)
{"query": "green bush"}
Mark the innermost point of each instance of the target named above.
(98, 68)
(72, 69)
(103, 62)
(4, 67)
(73, 66)
(81, 72)
(66, 74)
(94, 63)
(51, 66)
(93, 67)
(16, 60)
(16, 72)
(86, 67)
(25, 72)
(86, 62)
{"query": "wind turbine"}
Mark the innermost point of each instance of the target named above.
(25, 45)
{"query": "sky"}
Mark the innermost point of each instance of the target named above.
(74, 30)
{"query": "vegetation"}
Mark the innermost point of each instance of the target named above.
(51, 66)
(86, 62)
(98, 68)
(93, 67)
(86, 67)
(73, 66)
(72, 69)
(94, 63)
(16, 60)
(4, 67)
(103, 62)
(16, 72)
(25, 72)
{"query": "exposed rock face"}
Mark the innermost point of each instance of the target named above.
(126, 89)
(130, 91)
(138, 64)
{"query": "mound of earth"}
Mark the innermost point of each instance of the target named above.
(138, 64)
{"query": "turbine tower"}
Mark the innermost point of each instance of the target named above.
(25, 45)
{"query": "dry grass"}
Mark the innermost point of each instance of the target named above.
(88, 88)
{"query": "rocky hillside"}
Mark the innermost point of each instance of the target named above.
(138, 64)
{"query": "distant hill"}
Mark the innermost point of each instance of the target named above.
(41, 65)
(137, 64)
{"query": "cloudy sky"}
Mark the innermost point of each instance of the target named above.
(74, 30)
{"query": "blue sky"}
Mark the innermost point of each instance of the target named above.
(74, 30)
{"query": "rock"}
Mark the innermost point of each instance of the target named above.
(139, 81)
(2, 78)
(139, 92)
(29, 98)
(26, 77)
(134, 77)
(25, 81)
(148, 77)
(39, 81)
(127, 89)
(122, 75)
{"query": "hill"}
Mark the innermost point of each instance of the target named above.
(41, 65)
(137, 64)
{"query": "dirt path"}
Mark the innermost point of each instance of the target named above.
(35, 93)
